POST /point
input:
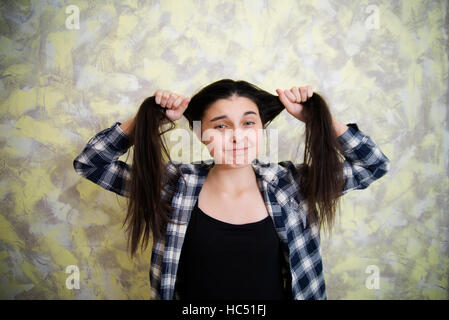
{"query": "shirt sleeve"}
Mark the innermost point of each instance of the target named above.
(364, 161)
(98, 162)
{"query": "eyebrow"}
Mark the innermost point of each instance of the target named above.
(225, 116)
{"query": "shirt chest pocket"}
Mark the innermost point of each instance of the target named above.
(287, 203)
(296, 210)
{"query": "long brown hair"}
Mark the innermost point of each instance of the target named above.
(319, 176)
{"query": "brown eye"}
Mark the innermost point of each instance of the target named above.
(217, 127)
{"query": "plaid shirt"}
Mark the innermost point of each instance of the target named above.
(300, 239)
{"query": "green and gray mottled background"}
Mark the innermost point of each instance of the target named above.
(381, 64)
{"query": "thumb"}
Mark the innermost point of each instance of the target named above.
(170, 113)
(184, 104)
(285, 101)
(179, 111)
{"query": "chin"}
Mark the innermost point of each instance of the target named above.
(237, 165)
(238, 162)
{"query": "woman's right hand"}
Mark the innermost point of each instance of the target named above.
(176, 104)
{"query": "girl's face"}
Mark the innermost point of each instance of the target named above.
(232, 130)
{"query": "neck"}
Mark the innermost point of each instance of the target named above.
(228, 181)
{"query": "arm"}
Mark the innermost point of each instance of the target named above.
(365, 162)
(98, 162)
(128, 127)
(339, 127)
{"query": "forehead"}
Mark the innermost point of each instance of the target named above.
(234, 106)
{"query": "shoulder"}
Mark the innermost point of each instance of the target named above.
(293, 169)
(290, 166)
(193, 173)
(277, 172)
(175, 172)
(195, 168)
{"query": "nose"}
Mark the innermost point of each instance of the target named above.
(238, 138)
(235, 134)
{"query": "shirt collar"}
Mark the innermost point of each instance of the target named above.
(268, 171)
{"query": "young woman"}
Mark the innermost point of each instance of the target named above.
(232, 227)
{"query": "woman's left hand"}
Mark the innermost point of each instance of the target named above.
(293, 98)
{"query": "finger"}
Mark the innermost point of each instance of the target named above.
(184, 104)
(295, 91)
(169, 113)
(290, 95)
(309, 91)
(165, 96)
(178, 101)
(178, 112)
(171, 99)
(285, 101)
(303, 91)
(158, 95)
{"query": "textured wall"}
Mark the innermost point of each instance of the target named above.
(383, 66)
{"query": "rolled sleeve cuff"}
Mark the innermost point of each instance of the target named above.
(351, 138)
(118, 138)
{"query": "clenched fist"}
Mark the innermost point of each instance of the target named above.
(292, 99)
(176, 104)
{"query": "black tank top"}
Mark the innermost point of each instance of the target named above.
(220, 260)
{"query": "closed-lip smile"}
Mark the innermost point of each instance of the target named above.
(238, 149)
